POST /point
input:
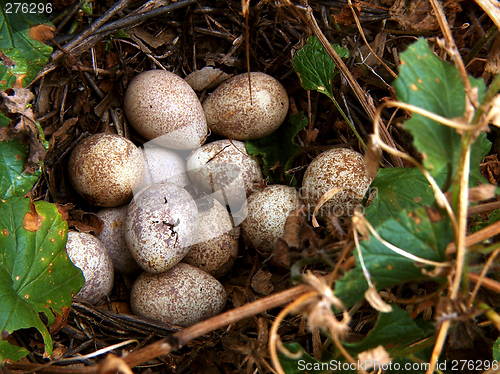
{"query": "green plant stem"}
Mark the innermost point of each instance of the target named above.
(348, 122)
(490, 314)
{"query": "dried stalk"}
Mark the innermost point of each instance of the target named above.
(91, 30)
(178, 339)
(490, 7)
(360, 29)
(358, 91)
(477, 237)
(460, 198)
(482, 277)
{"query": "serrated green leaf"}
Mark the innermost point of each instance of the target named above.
(36, 275)
(12, 352)
(399, 189)
(416, 233)
(392, 330)
(315, 68)
(303, 364)
(278, 150)
(429, 83)
(23, 56)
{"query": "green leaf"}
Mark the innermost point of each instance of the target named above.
(13, 181)
(392, 330)
(11, 352)
(278, 149)
(303, 364)
(399, 189)
(496, 350)
(36, 275)
(315, 68)
(23, 57)
(4, 120)
(483, 223)
(434, 85)
(423, 233)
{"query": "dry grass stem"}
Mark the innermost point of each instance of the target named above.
(362, 33)
(358, 91)
(441, 199)
(482, 276)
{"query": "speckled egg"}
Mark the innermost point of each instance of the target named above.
(113, 238)
(164, 165)
(89, 255)
(225, 164)
(216, 246)
(342, 168)
(183, 296)
(267, 213)
(105, 168)
(162, 106)
(162, 222)
(232, 114)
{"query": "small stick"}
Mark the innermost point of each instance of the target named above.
(133, 20)
(491, 9)
(180, 338)
(360, 29)
(89, 31)
(482, 276)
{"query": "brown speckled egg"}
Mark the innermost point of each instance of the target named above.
(105, 168)
(217, 242)
(267, 213)
(224, 164)
(161, 104)
(113, 238)
(183, 296)
(340, 167)
(230, 112)
(164, 165)
(162, 222)
(89, 254)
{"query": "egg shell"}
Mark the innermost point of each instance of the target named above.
(267, 213)
(164, 165)
(216, 246)
(336, 168)
(183, 296)
(89, 255)
(112, 237)
(225, 164)
(232, 114)
(162, 106)
(105, 168)
(162, 222)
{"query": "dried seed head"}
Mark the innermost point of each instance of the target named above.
(375, 300)
(320, 314)
(376, 355)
